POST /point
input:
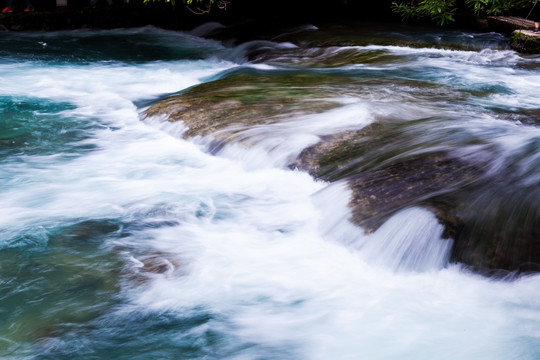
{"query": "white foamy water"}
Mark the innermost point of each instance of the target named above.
(269, 252)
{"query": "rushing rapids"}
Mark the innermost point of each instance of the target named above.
(316, 193)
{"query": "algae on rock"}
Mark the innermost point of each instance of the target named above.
(247, 100)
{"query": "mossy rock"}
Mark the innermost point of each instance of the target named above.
(370, 34)
(247, 97)
(493, 228)
(242, 100)
(389, 165)
(387, 182)
(326, 57)
(525, 41)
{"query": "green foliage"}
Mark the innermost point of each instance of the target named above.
(497, 7)
(478, 5)
(172, 2)
(442, 11)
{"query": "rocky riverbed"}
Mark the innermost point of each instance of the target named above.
(410, 155)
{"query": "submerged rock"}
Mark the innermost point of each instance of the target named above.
(246, 100)
(78, 275)
(326, 57)
(389, 165)
(382, 186)
(500, 231)
(149, 264)
(493, 228)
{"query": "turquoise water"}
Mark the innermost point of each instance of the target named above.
(119, 239)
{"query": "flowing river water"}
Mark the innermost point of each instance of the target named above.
(120, 239)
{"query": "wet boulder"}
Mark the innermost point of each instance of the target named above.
(382, 186)
(245, 100)
(525, 41)
(494, 229)
(389, 165)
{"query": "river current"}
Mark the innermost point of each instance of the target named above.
(120, 239)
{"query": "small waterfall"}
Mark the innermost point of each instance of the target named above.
(410, 240)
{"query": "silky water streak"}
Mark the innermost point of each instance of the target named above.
(121, 239)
